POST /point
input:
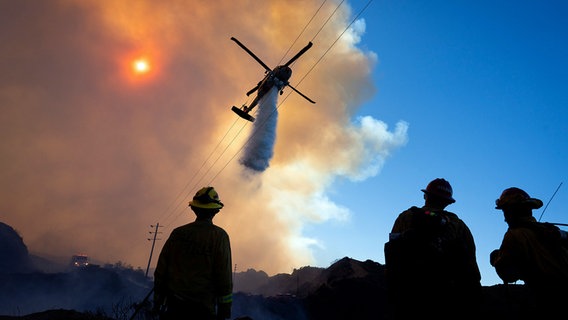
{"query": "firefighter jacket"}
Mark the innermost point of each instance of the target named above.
(195, 266)
(449, 236)
(527, 253)
(430, 257)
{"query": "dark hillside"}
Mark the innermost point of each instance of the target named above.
(14, 255)
(348, 289)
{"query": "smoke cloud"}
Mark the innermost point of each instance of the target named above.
(93, 153)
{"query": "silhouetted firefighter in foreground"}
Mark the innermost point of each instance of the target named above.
(431, 267)
(193, 277)
(534, 252)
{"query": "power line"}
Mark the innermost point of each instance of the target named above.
(337, 39)
(304, 29)
(328, 18)
(194, 186)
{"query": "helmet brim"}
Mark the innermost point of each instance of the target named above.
(210, 205)
(532, 203)
(449, 199)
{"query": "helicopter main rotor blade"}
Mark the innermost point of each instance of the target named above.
(299, 54)
(252, 54)
(303, 95)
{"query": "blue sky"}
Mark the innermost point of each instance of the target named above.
(482, 85)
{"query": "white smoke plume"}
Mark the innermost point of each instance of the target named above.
(92, 153)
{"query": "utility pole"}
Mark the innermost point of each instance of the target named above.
(155, 232)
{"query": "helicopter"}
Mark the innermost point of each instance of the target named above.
(277, 77)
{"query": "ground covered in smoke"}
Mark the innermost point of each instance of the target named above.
(348, 289)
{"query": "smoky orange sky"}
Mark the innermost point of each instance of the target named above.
(93, 153)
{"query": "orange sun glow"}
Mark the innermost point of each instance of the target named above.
(140, 66)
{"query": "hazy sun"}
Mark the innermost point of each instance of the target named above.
(140, 66)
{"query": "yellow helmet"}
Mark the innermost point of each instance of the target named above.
(206, 198)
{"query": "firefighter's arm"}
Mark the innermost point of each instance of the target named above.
(508, 260)
(506, 271)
